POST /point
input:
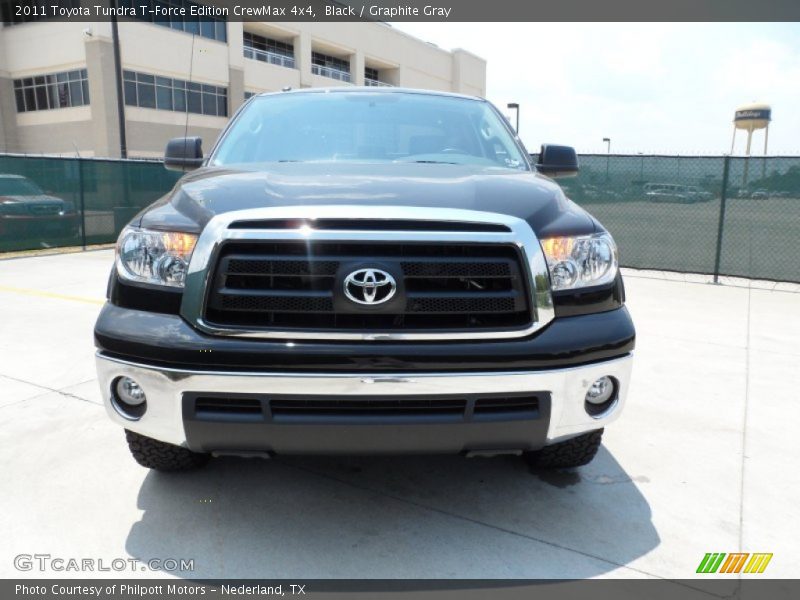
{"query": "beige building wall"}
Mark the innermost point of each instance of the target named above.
(40, 48)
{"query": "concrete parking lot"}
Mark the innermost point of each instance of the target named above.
(703, 460)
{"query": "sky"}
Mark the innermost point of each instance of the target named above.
(650, 87)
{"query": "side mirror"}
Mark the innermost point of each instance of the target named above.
(557, 161)
(183, 154)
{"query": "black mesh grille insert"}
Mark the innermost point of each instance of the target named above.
(300, 286)
(289, 304)
(282, 267)
(478, 304)
(512, 404)
(456, 269)
(228, 406)
(264, 407)
(369, 407)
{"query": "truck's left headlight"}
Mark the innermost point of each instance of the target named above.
(154, 257)
(580, 261)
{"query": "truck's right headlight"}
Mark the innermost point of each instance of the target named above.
(154, 257)
(580, 261)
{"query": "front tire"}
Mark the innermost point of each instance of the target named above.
(161, 456)
(575, 452)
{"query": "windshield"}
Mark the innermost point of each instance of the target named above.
(17, 186)
(369, 127)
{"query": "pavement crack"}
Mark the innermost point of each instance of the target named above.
(19, 402)
(60, 392)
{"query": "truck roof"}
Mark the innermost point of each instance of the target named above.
(372, 90)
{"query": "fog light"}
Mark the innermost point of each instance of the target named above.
(601, 397)
(128, 398)
(130, 392)
(601, 391)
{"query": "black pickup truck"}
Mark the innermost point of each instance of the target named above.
(365, 271)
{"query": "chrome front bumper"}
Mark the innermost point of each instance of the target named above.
(164, 420)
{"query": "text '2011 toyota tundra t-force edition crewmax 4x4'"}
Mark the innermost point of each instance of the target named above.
(364, 271)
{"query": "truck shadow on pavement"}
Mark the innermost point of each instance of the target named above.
(394, 517)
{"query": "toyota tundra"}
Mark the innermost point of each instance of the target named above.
(369, 270)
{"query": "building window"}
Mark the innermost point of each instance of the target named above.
(372, 78)
(248, 95)
(268, 50)
(330, 66)
(37, 10)
(209, 27)
(56, 90)
(165, 93)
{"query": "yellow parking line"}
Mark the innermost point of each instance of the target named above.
(43, 294)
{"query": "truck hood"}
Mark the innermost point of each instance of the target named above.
(210, 191)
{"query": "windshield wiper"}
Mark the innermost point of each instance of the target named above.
(430, 162)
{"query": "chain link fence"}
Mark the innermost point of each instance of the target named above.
(696, 214)
(52, 202)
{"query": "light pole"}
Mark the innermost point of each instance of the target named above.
(641, 168)
(515, 107)
(123, 143)
(608, 154)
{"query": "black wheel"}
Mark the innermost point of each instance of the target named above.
(161, 456)
(575, 452)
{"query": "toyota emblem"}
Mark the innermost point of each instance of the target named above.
(369, 286)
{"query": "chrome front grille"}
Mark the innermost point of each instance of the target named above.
(299, 286)
(278, 273)
(45, 209)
